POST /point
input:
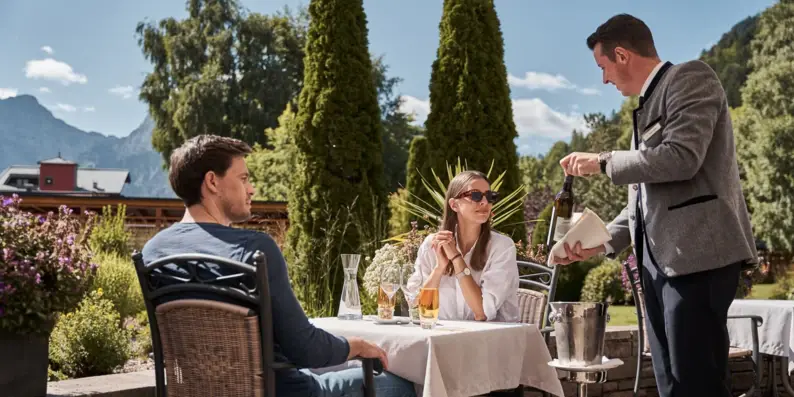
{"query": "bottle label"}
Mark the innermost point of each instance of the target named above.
(563, 224)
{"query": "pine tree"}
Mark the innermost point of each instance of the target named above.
(471, 114)
(339, 174)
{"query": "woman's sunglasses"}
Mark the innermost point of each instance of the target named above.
(477, 196)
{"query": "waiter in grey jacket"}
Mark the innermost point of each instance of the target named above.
(686, 214)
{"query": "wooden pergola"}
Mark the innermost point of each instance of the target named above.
(156, 213)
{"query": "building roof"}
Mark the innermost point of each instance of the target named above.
(89, 180)
(57, 160)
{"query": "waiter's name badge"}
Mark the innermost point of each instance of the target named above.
(649, 133)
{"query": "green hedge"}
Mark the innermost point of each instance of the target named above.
(89, 341)
(603, 283)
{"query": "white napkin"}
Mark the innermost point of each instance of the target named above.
(588, 229)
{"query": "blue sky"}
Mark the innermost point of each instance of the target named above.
(82, 61)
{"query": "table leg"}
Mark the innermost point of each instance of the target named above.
(772, 379)
(784, 374)
(582, 392)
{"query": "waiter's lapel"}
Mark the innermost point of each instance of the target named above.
(644, 99)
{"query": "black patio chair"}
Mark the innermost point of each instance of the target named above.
(214, 334)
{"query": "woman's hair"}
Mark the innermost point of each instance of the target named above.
(449, 221)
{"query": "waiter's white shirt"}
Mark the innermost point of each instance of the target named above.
(644, 202)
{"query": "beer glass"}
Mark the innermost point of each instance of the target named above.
(428, 307)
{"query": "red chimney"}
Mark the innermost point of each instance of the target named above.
(57, 174)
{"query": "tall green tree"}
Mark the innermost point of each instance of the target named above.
(339, 152)
(397, 128)
(767, 128)
(730, 58)
(603, 196)
(271, 166)
(219, 71)
(471, 114)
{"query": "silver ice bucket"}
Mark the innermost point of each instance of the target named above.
(579, 329)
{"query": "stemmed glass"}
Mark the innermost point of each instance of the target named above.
(389, 285)
(410, 292)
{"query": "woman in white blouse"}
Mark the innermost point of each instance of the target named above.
(473, 267)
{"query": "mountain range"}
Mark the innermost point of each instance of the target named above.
(30, 133)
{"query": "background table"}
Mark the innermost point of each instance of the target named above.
(775, 335)
(459, 358)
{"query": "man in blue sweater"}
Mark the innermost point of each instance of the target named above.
(210, 175)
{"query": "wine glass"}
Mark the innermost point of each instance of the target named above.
(410, 292)
(389, 285)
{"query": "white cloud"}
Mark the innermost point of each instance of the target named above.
(125, 92)
(531, 116)
(50, 69)
(589, 91)
(65, 108)
(416, 107)
(548, 82)
(6, 93)
(540, 81)
(47, 49)
(89, 109)
(44, 90)
(535, 117)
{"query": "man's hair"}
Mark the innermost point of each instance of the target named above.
(197, 156)
(623, 30)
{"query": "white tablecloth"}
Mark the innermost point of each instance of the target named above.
(459, 358)
(775, 336)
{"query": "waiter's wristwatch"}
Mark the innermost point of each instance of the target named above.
(464, 272)
(603, 159)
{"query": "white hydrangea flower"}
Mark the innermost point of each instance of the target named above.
(389, 260)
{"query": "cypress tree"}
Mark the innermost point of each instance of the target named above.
(471, 114)
(417, 193)
(339, 154)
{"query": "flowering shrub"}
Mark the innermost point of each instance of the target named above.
(45, 266)
(387, 264)
(626, 281)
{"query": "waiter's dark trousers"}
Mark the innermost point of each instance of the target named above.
(687, 330)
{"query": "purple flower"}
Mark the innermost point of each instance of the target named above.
(7, 202)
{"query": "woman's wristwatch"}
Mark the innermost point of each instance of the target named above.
(464, 272)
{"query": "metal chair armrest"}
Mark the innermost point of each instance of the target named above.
(371, 367)
(758, 369)
(757, 320)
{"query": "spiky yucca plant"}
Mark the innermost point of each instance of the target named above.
(503, 209)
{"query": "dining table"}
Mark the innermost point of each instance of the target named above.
(456, 358)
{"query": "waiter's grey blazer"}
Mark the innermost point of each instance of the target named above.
(683, 160)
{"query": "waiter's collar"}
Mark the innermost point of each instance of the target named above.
(650, 78)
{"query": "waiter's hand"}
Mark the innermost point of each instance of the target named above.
(581, 164)
(577, 254)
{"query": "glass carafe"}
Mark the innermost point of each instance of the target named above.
(350, 303)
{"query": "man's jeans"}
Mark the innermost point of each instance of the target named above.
(349, 383)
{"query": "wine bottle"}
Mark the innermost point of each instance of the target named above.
(562, 212)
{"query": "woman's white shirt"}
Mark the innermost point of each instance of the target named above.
(498, 281)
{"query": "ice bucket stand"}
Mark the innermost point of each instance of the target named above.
(587, 375)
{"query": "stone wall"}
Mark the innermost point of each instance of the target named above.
(622, 343)
(619, 342)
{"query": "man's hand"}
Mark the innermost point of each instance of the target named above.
(581, 164)
(366, 349)
(577, 254)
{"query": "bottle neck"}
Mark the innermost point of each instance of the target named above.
(568, 183)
